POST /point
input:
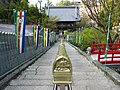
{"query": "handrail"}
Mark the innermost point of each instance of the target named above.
(62, 68)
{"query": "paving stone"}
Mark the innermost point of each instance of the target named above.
(44, 67)
(83, 87)
(91, 81)
(101, 87)
(31, 70)
(29, 88)
(38, 76)
(86, 69)
(29, 73)
(44, 73)
(21, 77)
(43, 64)
(94, 87)
(86, 77)
(31, 83)
(33, 67)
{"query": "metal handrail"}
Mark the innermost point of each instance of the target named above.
(62, 69)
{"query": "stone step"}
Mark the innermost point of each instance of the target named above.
(83, 87)
(31, 83)
(29, 88)
(38, 77)
(86, 76)
(101, 82)
(94, 87)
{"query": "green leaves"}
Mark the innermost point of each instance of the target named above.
(99, 14)
(63, 3)
(49, 22)
(90, 35)
(33, 15)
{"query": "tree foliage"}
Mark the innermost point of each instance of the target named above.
(64, 3)
(99, 11)
(49, 21)
(84, 22)
(3, 13)
(89, 37)
(49, 3)
(33, 15)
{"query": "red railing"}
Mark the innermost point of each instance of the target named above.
(102, 47)
(112, 57)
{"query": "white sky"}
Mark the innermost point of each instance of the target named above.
(44, 1)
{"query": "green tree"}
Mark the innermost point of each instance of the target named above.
(3, 13)
(99, 11)
(49, 22)
(84, 22)
(64, 3)
(23, 5)
(33, 15)
(89, 37)
(49, 3)
(6, 3)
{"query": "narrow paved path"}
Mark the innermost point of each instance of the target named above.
(38, 76)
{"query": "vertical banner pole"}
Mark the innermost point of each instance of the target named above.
(19, 24)
(15, 30)
(107, 41)
(46, 37)
(36, 35)
(43, 37)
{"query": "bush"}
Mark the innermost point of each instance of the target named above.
(89, 35)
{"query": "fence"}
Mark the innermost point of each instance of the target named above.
(9, 58)
(112, 57)
(102, 47)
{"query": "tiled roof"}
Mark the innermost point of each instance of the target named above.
(64, 13)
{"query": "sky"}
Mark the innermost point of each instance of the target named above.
(44, 1)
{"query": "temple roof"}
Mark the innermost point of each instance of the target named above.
(64, 13)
